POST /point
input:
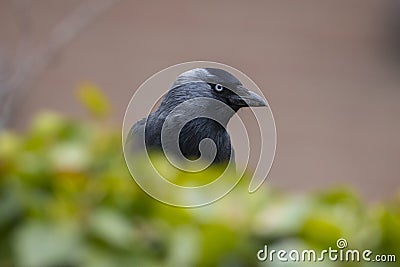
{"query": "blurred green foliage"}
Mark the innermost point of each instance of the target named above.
(93, 99)
(67, 199)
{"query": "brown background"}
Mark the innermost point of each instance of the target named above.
(328, 70)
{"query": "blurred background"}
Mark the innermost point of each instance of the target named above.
(329, 69)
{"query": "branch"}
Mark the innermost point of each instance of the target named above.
(30, 62)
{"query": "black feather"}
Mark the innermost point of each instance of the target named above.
(192, 133)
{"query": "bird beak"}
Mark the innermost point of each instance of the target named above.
(243, 97)
(253, 100)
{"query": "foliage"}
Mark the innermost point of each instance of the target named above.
(67, 199)
(93, 99)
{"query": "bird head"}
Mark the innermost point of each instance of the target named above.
(217, 84)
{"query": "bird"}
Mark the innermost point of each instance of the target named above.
(209, 97)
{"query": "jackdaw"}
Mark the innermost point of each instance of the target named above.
(209, 97)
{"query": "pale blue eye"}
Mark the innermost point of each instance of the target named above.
(219, 88)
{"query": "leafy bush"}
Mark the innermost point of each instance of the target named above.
(67, 199)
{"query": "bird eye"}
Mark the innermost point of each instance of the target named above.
(218, 88)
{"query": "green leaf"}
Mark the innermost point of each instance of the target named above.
(43, 244)
(112, 227)
(93, 99)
